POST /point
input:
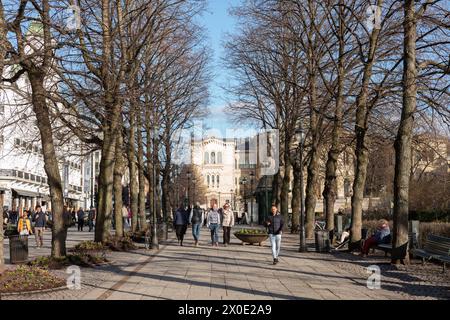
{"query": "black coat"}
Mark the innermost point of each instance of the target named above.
(275, 224)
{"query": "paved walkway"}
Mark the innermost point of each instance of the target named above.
(234, 272)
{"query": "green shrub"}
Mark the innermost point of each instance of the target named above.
(89, 246)
(252, 231)
(125, 243)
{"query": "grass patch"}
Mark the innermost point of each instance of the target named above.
(28, 278)
(79, 259)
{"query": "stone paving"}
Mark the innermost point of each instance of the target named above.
(242, 272)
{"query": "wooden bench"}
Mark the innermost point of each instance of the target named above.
(437, 248)
(387, 247)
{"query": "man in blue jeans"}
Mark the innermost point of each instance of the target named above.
(213, 222)
(196, 218)
(275, 225)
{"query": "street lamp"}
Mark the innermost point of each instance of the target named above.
(188, 174)
(301, 137)
(251, 197)
(244, 182)
(193, 198)
(231, 198)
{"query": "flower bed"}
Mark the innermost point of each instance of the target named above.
(79, 259)
(251, 236)
(28, 279)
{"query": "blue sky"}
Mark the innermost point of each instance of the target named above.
(218, 22)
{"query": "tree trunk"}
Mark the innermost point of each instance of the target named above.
(118, 173)
(403, 142)
(51, 167)
(3, 49)
(284, 197)
(362, 152)
(165, 184)
(2, 259)
(141, 196)
(313, 165)
(310, 198)
(295, 205)
(105, 188)
(330, 189)
(131, 154)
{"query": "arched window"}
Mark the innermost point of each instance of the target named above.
(213, 158)
(208, 180)
(235, 164)
(212, 177)
(206, 157)
(217, 181)
(219, 157)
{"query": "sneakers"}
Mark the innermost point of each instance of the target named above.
(275, 261)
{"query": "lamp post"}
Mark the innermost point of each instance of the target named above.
(252, 175)
(193, 198)
(301, 137)
(231, 198)
(188, 174)
(244, 182)
(155, 242)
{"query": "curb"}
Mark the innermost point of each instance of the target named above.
(9, 294)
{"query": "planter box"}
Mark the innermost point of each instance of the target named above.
(251, 238)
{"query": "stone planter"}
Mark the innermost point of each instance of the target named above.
(251, 238)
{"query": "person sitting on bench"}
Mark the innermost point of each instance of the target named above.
(382, 235)
(345, 235)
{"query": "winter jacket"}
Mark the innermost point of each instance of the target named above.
(383, 235)
(40, 219)
(228, 218)
(275, 224)
(181, 217)
(24, 224)
(196, 216)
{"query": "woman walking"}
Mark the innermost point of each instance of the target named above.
(213, 223)
(227, 223)
(181, 222)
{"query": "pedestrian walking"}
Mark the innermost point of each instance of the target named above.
(40, 220)
(227, 223)
(213, 223)
(180, 222)
(13, 215)
(130, 216)
(24, 225)
(125, 216)
(275, 225)
(80, 216)
(91, 219)
(196, 219)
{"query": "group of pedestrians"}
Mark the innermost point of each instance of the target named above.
(214, 218)
(39, 219)
(82, 217)
(223, 217)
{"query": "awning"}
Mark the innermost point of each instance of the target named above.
(25, 193)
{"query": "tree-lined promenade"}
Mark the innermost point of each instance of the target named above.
(124, 77)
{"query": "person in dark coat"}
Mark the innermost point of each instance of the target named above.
(275, 225)
(80, 216)
(180, 223)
